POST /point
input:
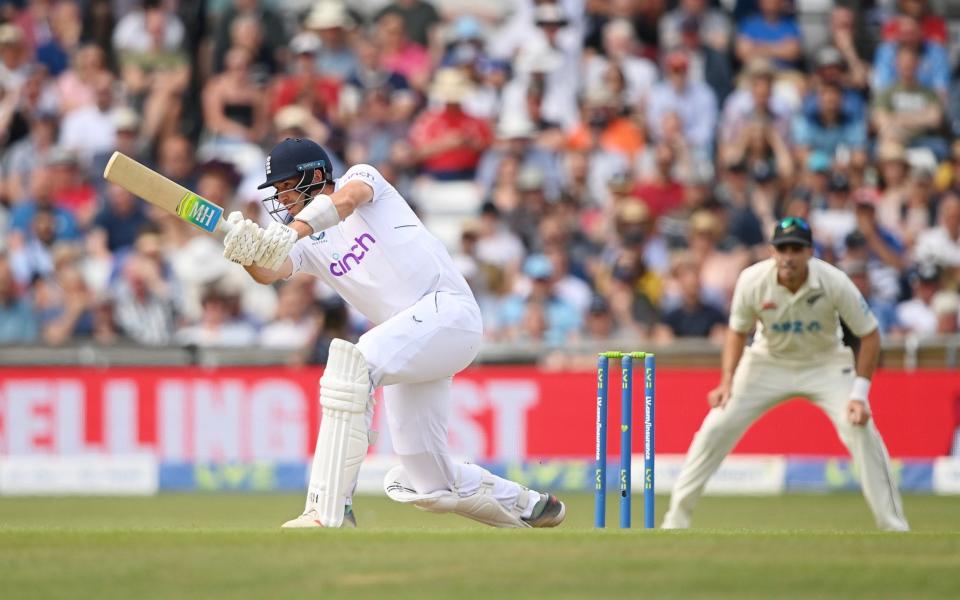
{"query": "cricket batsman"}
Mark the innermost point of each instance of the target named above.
(795, 302)
(360, 237)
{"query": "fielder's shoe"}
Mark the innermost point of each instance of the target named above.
(311, 519)
(549, 511)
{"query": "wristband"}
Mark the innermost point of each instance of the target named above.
(861, 389)
(320, 214)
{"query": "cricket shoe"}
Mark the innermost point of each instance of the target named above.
(549, 511)
(311, 519)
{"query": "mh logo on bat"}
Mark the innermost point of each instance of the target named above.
(202, 213)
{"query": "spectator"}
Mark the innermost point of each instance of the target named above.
(718, 268)
(933, 27)
(829, 129)
(144, 294)
(68, 186)
(909, 112)
(496, 244)
(707, 63)
(71, 318)
(291, 326)
(620, 52)
(217, 327)
(603, 125)
(770, 34)
(692, 317)
(65, 30)
(515, 140)
(930, 64)
(420, 19)
(876, 245)
(946, 308)
(661, 192)
(18, 323)
(307, 86)
(599, 324)
(234, 107)
(329, 22)
(893, 170)
(831, 224)
(941, 245)
(917, 315)
(831, 68)
(32, 257)
(712, 25)
(28, 154)
(90, 130)
(176, 160)
(447, 142)
(42, 198)
(270, 33)
(693, 102)
(542, 89)
(756, 102)
(74, 86)
(539, 314)
(121, 219)
(884, 310)
(370, 76)
(14, 58)
(400, 54)
(919, 212)
(149, 27)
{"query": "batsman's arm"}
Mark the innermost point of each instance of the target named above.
(326, 211)
(269, 276)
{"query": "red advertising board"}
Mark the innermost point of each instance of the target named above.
(497, 413)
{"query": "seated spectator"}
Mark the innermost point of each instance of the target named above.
(908, 112)
(756, 101)
(941, 245)
(399, 53)
(28, 154)
(603, 125)
(71, 318)
(692, 316)
(831, 224)
(33, 257)
(121, 219)
(933, 27)
(368, 76)
(91, 130)
(332, 24)
(291, 327)
(497, 245)
(177, 160)
(217, 327)
(42, 198)
(66, 26)
(831, 68)
(761, 147)
(893, 169)
(693, 102)
(919, 211)
(539, 314)
(917, 315)
(879, 249)
(931, 63)
(713, 25)
(14, 58)
(620, 51)
(18, 323)
(87, 65)
(718, 268)
(599, 324)
(447, 143)
(258, 27)
(884, 310)
(371, 140)
(420, 19)
(661, 192)
(307, 86)
(515, 140)
(145, 294)
(153, 65)
(946, 308)
(770, 34)
(707, 63)
(69, 187)
(234, 110)
(829, 128)
(542, 89)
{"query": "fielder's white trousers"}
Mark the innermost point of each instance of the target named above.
(761, 382)
(414, 356)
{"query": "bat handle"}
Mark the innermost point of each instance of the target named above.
(225, 226)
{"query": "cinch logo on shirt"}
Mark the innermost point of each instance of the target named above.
(341, 265)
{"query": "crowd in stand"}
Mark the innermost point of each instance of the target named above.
(628, 158)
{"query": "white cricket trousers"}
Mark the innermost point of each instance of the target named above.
(761, 382)
(414, 356)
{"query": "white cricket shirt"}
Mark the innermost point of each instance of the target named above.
(381, 259)
(804, 325)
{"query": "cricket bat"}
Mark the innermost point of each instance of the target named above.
(158, 190)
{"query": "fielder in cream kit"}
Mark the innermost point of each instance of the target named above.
(794, 302)
(359, 236)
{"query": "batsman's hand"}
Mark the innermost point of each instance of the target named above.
(857, 412)
(243, 241)
(275, 244)
(719, 396)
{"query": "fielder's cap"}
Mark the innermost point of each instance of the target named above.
(549, 14)
(828, 56)
(538, 266)
(292, 157)
(328, 14)
(792, 230)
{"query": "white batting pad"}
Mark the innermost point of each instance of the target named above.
(343, 439)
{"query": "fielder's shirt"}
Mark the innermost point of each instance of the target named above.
(381, 259)
(804, 325)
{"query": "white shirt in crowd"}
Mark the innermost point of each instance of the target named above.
(804, 325)
(381, 259)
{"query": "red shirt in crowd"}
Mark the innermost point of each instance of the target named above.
(323, 94)
(661, 197)
(934, 29)
(438, 124)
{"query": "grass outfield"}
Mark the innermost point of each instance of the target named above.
(229, 546)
